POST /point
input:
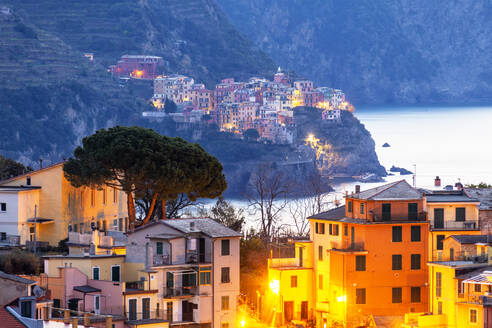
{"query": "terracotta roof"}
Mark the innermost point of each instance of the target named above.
(8, 320)
(394, 190)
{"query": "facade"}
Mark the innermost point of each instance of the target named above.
(195, 265)
(484, 195)
(138, 66)
(46, 207)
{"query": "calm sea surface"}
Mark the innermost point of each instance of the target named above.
(454, 143)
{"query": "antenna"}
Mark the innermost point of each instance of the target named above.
(415, 175)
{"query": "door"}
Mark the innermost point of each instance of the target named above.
(288, 311)
(201, 250)
(438, 218)
(145, 308)
(169, 311)
(304, 310)
(73, 304)
(412, 211)
(97, 304)
(386, 212)
(115, 273)
(132, 309)
(187, 311)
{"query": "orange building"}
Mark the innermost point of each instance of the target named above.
(371, 255)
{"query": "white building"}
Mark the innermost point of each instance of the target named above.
(195, 265)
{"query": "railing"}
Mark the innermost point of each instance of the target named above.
(442, 256)
(150, 315)
(135, 285)
(161, 259)
(377, 216)
(180, 291)
(475, 299)
(38, 244)
(350, 247)
(191, 257)
(456, 225)
(79, 238)
(11, 240)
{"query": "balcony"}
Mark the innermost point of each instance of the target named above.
(455, 225)
(351, 247)
(135, 285)
(192, 256)
(180, 291)
(379, 216)
(135, 318)
(475, 299)
(9, 240)
(441, 256)
(163, 259)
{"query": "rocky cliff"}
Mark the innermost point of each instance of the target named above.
(399, 51)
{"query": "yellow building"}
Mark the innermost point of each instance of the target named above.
(291, 279)
(48, 207)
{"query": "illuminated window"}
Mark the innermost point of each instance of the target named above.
(396, 262)
(415, 233)
(360, 263)
(225, 303)
(415, 261)
(396, 295)
(320, 253)
(438, 284)
(360, 296)
(293, 281)
(473, 316)
(415, 294)
(320, 281)
(396, 234)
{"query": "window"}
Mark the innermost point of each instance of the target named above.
(224, 277)
(26, 309)
(386, 212)
(439, 307)
(145, 308)
(345, 230)
(396, 262)
(330, 229)
(159, 248)
(415, 233)
(360, 296)
(396, 295)
(415, 294)
(478, 288)
(316, 227)
(3, 207)
(224, 325)
(322, 228)
(115, 225)
(397, 234)
(304, 310)
(115, 273)
(473, 315)
(97, 303)
(104, 195)
(415, 262)
(460, 214)
(92, 197)
(225, 247)
(205, 274)
(320, 253)
(28, 181)
(335, 229)
(360, 263)
(120, 224)
(362, 208)
(225, 303)
(81, 226)
(320, 281)
(115, 195)
(412, 211)
(439, 244)
(132, 309)
(349, 206)
(293, 281)
(95, 273)
(438, 284)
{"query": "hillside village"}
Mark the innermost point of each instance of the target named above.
(234, 106)
(429, 249)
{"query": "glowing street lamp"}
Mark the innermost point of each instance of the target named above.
(342, 298)
(275, 286)
(242, 323)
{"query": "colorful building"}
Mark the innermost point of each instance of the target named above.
(138, 66)
(43, 206)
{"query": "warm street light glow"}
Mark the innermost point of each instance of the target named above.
(243, 323)
(342, 298)
(275, 286)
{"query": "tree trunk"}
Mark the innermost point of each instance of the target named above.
(163, 202)
(131, 211)
(148, 216)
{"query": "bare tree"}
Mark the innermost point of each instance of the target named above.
(309, 199)
(267, 196)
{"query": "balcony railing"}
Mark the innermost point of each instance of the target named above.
(191, 257)
(349, 247)
(162, 259)
(442, 256)
(135, 285)
(475, 299)
(11, 240)
(149, 315)
(378, 216)
(456, 225)
(180, 291)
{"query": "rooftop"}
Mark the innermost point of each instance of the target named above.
(484, 195)
(18, 188)
(449, 196)
(472, 239)
(337, 213)
(13, 277)
(207, 226)
(399, 190)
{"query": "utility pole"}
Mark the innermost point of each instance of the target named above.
(35, 228)
(415, 175)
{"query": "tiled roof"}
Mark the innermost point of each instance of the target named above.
(8, 320)
(204, 225)
(86, 289)
(484, 195)
(455, 196)
(335, 214)
(394, 190)
(471, 239)
(13, 277)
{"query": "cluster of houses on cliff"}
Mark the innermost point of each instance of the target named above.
(235, 106)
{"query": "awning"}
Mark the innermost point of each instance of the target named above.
(481, 279)
(40, 220)
(86, 289)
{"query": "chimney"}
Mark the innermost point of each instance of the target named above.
(40, 163)
(458, 186)
(437, 182)
(357, 189)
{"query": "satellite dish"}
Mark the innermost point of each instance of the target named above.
(38, 291)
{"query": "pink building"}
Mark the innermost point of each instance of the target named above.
(139, 67)
(312, 98)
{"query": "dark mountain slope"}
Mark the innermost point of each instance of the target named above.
(378, 51)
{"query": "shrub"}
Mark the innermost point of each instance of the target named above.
(20, 262)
